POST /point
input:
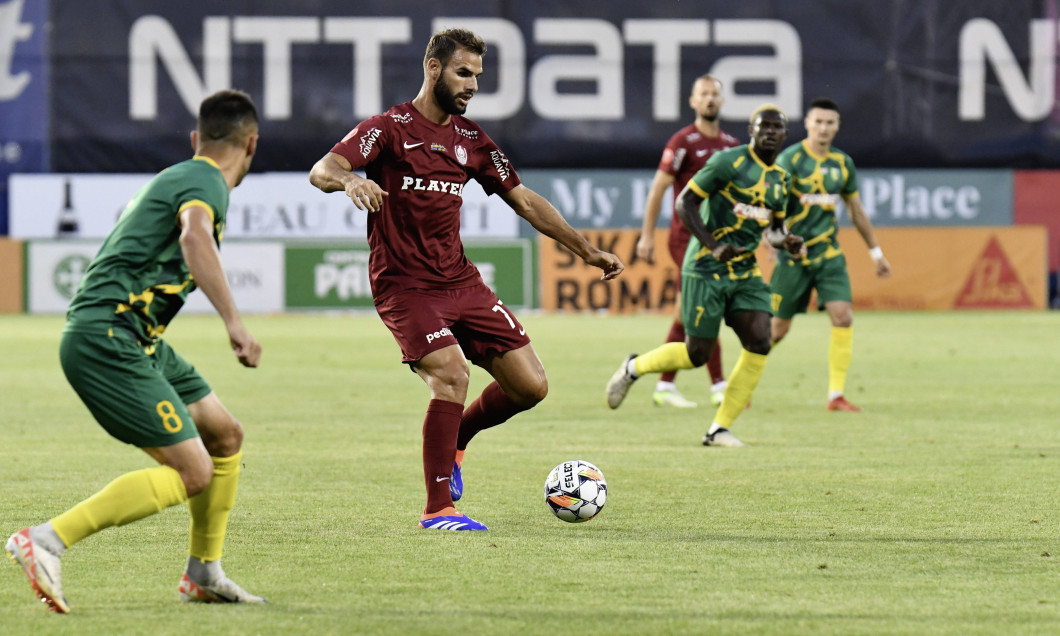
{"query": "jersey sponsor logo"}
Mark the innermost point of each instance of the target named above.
(409, 146)
(824, 200)
(470, 134)
(461, 155)
(432, 185)
(444, 331)
(501, 163)
(693, 137)
(368, 141)
(755, 212)
(703, 152)
(437, 147)
(679, 158)
(402, 118)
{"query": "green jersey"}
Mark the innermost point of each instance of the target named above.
(742, 196)
(821, 182)
(139, 278)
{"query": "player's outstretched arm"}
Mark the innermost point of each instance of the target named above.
(334, 173)
(546, 219)
(861, 221)
(204, 262)
(646, 243)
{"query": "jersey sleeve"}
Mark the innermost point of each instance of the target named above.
(362, 145)
(673, 156)
(199, 188)
(494, 171)
(850, 186)
(713, 176)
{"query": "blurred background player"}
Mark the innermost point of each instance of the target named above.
(685, 153)
(822, 174)
(745, 193)
(139, 389)
(417, 157)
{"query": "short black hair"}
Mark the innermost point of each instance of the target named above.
(825, 103)
(227, 116)
(444, 44)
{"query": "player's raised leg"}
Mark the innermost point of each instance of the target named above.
(519, 385)
(666, 393)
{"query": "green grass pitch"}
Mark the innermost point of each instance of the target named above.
(932, 512)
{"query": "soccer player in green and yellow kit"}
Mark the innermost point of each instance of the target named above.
(822, 175)
(164, 245)
(728, 205)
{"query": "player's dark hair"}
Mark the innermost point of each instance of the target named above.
(445, 43)
(824, 103)
(227, 116)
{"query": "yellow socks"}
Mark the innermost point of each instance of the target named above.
(210, 508)
(668, 357)
(128, 498)
(742, 382)
(840, 351)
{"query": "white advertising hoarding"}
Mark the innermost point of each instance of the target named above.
(255, 274)
(282, 205)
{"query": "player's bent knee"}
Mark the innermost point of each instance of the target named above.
(760, 347)
(197, 478)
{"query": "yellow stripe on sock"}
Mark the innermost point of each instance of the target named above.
(840, 352)
(210, 509)
(742, 382)
(128, 498)
(671, 356)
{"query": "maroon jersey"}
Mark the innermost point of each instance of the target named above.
(415, 237)
(684, 155)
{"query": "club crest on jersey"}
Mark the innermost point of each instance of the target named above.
(402, 118)
(437, 147)
(749, 211)
(368, 141)
(461, 155)
(501, 163)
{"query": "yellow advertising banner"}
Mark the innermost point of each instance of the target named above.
(933, 269)
(951, 268)
(10, 276)
(568, 284)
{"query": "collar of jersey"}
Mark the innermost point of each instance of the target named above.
(806, 147)
(754, 155)
(207, 160)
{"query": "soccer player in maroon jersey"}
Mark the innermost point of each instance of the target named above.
(417, 157)
(685, 153)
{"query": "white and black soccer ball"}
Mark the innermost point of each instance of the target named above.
(575, 491)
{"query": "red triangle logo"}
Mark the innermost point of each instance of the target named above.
(993, 283)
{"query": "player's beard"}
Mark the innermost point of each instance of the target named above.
(710, 115)
(446, 99)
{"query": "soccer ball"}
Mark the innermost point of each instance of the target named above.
(575, 491)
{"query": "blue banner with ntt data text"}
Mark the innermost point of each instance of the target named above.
(586, 84)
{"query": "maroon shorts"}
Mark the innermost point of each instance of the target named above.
(426, 320)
